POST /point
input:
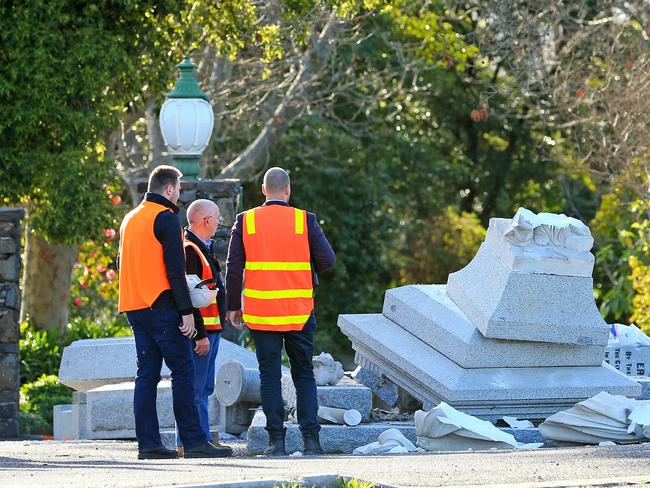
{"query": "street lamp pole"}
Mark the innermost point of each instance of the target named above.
(186, 121)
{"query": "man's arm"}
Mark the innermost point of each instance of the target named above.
(167, 230)
(322, 254)
(193, 266)
(235, 266)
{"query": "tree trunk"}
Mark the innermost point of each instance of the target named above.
(46, 282)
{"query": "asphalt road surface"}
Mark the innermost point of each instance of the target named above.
(113, 463)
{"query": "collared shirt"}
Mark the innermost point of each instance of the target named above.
(322, 255)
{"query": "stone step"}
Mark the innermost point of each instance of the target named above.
(429, 314)
(504, 304)
(343, 439)
(431, 377)
(91, 363)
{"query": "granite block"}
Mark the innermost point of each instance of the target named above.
(109, 410)
(429, 314)
(334, 439)
(432, 377)
(504, 304)
(64, 428)
(631, 360)
(342, 439)
(91, 363)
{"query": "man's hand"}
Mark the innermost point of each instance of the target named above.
(187, 327)
(202, 346)
(236, 319)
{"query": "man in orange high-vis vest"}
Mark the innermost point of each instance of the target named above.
(204, 218)
(154, 295)
(275, 251)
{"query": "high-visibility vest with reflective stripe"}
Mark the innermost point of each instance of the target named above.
(210, 313)
(278, 287)
(143, 276)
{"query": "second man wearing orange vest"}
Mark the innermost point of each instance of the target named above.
(204, 218)
(275, 251)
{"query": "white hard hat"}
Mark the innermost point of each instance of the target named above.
(201, 296)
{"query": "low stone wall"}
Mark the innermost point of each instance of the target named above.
(10, 233)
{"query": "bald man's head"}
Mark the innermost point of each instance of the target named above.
(203, 216)
(276, 184)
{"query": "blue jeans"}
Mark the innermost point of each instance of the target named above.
(204, 384)
(157, 337)
(300, 348)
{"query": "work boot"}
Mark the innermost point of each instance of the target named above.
(312, 444)
(157, 453)
(181, 451)
(216, 443)
(207, 450)
(276, 445)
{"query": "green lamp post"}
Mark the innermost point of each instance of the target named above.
(186, 121)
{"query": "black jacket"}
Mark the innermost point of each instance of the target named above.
(193, 265)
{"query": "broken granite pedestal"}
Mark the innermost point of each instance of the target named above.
(516, 332)
(103, 371)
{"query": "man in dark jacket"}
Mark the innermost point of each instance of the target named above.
(156, 299)
(204, 219)
(281, 248)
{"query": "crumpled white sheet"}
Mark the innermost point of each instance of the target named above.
(391, 441)
(601, 418)
(444, 428)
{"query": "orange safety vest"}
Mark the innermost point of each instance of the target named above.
(278, 287)
(210, 313)
(143, 276)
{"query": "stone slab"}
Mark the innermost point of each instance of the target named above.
(431, 377)
(429, 314)
(108, 413)
(342, 439)
(109, 410)
(537, 259)
(64, 428)
(633, 361)
(91, 363)
(504, 304)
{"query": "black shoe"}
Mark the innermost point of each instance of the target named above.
(207, 450)
(312, 444)
(276, 445)
(157, 453)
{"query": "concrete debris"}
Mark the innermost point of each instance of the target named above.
(326, 370)
(390, 441)
(603, 417)
(515, 423)
(444, 428)
(340, 416)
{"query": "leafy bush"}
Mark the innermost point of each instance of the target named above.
(39, 397)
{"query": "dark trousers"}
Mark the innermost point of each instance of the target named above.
(157, 337)
(300, 347)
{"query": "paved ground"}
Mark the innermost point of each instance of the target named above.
(114, 463)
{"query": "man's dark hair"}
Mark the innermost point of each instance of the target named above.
(162, 176)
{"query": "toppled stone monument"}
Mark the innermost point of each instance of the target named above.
(516, 332)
